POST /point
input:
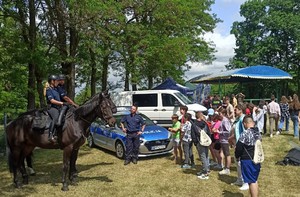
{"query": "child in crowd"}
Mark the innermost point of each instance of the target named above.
(224, 133)
(245, 151)
(187, 142)
(200, 123)
(183, 110)
(209, 122)
(215, 145)
(175, 129)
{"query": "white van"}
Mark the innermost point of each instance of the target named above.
(158, 105)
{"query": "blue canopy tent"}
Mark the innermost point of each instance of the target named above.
(169, 83)
(247, 74)
(243, 75)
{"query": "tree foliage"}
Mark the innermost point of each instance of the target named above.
(269, 34)
(140, 42)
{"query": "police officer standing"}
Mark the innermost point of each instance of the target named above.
(55, 102)
(63, 96)
(135, 126)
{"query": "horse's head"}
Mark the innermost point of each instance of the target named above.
(107, 108)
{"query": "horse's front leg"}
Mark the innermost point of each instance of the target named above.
(73, 172)
(66, 163)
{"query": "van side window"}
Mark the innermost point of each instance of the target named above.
(145, 100)
(168, 100)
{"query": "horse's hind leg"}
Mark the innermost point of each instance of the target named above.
(14, 166)
(24, 173)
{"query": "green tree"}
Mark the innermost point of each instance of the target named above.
(269, 35)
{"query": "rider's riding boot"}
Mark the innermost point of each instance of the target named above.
(51, 129)
(61, 115)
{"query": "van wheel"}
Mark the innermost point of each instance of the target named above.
(90, 141)
(120, 150)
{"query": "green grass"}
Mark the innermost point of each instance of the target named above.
(102, 174)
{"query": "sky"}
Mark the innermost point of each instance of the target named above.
(228, 12)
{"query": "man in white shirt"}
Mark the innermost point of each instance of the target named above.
(230, 110)
(274, 114)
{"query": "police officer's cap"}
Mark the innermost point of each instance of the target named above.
(52, 77)
(61, 77)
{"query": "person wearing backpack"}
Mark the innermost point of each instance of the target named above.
(245, 152)
(197, 125)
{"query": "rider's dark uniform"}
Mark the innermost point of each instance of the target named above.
(62, 93)
(53, 111)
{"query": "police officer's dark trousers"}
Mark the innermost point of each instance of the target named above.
(54, 113)
(61, 114)
(132, 146)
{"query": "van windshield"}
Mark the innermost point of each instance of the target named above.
(183, 98)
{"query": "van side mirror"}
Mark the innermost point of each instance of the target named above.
(176, 103)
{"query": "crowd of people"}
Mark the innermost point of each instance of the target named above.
(232, 124)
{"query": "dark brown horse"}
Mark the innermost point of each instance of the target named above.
(22, 139)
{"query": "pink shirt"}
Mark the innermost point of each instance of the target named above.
(216, 126)
(274, 108)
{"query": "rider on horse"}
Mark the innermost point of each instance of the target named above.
(53, 98)
(63, 96)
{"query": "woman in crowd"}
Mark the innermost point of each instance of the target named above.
(294, 108)
(285, 114)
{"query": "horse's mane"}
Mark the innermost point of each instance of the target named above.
(87, 107)
(30, 112)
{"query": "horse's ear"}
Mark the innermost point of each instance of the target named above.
(105, 93)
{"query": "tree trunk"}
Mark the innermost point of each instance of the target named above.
(126, 85)
(40, 90)
(32, 47)
(31, 87)
(93, 72)
(69, 70)
(150, 82)
(105, 63)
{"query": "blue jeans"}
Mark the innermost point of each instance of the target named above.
(287, 122)
(296, 125)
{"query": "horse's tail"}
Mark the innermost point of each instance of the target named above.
(8, 151)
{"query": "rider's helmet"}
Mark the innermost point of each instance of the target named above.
(61, 77)
(52, 77)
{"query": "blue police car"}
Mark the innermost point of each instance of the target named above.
(155, 140)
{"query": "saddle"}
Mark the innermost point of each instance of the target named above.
(41, 120)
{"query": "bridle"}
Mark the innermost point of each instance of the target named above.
(104, 107)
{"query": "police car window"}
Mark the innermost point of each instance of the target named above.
(147, 120)
(145, 100)
(168, 100)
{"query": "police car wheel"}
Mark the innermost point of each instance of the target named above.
(90, 141)
(120, 150)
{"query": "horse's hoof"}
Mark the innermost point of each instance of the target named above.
(74, 183)
(25, 180)
(18, 185)
(64, 188)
